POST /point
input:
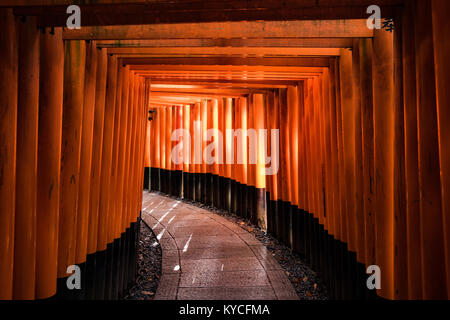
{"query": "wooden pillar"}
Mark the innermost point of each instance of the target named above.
(187, 149)
(308, 206)
(383, 96)
(120, 187)
(227, 147)
(128, 154)
(348, 138)
(358, 157)
(97, 146)
(260, 178)
(284, 167)
(400, 219)
(432, 237)
(115, 156)
(123, 143)
(333, 151)
(49, 160)
(327, 153)
(441, 34)
(108, 137)
(193, 151)
(86, 153)
(8, 133)
(26, 176)
(134, 150)
(73, 99)
(342, 221)
(414, 253)
(292, 100)
(365, 54)
(105, 213)
(168, 148)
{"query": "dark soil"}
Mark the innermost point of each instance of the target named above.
(149, 267)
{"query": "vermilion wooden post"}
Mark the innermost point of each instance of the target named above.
(204, 114)
(26, 176)
(219, 154)
(333, 151)
(115, 220)
(341, 247)
(252, 158)
(168, 149)
(441, 32)
(327, 153)
(260, 178)
(193, 151)
(383, 88)
(306, 145)
(127, 176)
(284, 166)
(97, 146)
(135, 151)
(318, 145)
(179, 166)
(49, 161)
(238, 164)
(123, 144)
(292, 100)
(115, 157)
(365, 54)
(227, 145)
(348, 127)
(400, 207)
(269, 178)
(358, 156)
(8, 134)
(187, 149)
(411, 158)
(86, 153)
(104, 234)
(108, 134)
(432, 233)
(120, 193)
(292, 95)
(198, 151)
(162, 146)
(342, 222)
(73, 103)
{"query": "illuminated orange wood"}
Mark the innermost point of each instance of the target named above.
(383, 87)
(49, 161)
(87, 131)
(26, 166)
(8, 134)
(441, 31)
(400, 206)
(104, 234)
(432, 233)
(411, 160)
(74, 71)
(124, 139)
(97, 146)
(258, 29)
(114, 225)
(365, 55)
(358, 166)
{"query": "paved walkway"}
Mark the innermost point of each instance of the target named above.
(205, 256)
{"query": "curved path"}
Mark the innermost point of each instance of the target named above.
(205, 256)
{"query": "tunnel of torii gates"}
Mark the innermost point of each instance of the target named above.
(87, 116)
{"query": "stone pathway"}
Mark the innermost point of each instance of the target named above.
(207, 257)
